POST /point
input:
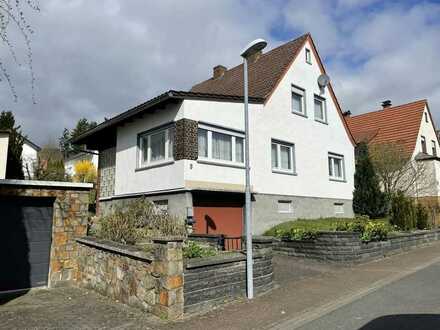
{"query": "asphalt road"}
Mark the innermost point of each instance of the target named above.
(411, 303)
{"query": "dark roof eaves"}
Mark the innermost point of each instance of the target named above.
(171, 94)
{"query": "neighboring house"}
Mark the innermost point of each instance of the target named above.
(410, 126)
(4, 142)
(185, 150)
(69, 162)
(29, 156)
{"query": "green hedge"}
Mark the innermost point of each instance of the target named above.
(301, 229)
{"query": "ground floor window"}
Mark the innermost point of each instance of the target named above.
(283, 157)
(155, 147)
(336, 167)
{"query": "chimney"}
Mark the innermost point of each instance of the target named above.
(218, 71)
(254, 57)
(346, 113)
(386, 104)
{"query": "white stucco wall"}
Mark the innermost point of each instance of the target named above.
(29, 157)
(130, 181)
(4, 141)
(428, 131)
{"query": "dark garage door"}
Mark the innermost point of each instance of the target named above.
(25, 240)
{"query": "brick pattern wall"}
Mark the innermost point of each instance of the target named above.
(185, 140)
(340, 247)
(150, 281)
(211, 282)
(70, 216)
(106, 172)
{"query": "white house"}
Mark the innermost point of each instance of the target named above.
(411, 127)
(184, 150)
(4, 142)
(29, 156)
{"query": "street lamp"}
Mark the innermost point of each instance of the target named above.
(252, 48)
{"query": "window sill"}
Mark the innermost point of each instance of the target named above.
(338, 180)
(284, 172)
(300, 114)
(321, 121)
(154, 165)
(220, 163)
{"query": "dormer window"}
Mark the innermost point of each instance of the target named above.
(308, 56)
(298, 101)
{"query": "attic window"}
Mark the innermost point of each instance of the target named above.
(426, 117)
(308, 56)
(423, 144)
(434, 148)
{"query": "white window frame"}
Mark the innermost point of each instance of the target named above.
(285, 202)
(146, 136)
(291, 147)
(324, 109)
(434, 148)
(330, 161)
(308, 54)
(234, 135)
(423, 143)
(301, 92)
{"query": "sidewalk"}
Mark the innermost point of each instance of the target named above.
(298, 301)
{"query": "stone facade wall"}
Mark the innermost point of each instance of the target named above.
(152, 281)
(342, 247)
(70, 216)
(185, 140)
(215, 280)
(106, 172)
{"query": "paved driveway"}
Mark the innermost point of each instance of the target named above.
(73, 308)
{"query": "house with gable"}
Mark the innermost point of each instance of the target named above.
(411, 127)
(184, 150)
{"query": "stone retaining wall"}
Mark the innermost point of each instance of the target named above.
(215, 280)
(343, 247)
(152, 281)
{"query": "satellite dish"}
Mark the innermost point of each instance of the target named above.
(323, 80)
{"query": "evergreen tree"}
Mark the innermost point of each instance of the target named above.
(368, 199)
(82, 126)
(14, 165)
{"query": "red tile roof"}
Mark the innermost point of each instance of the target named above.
(399, 124)
(264, 74)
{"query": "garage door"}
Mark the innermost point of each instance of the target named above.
(25, 240)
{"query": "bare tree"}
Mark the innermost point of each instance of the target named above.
(398, 171)
(12, 16)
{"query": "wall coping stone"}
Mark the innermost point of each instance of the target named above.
(168, 239)
(262, 239)
(127, 250)
(224, 258)
(204, 235)
(51, 184)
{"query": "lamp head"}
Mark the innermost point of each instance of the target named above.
(253, 47)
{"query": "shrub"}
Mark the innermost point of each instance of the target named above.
(298, 234)
(194, 250)
(422, 217)
(403, 212)
(375, 231)
(139, 220)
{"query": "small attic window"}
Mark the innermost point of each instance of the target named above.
(426, 117)
(308, 56)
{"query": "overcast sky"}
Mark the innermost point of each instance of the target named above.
(97, 58)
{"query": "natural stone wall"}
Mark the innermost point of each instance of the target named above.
(106, 172)
(152, 281)
(343, 247)
(70, 216)
(185, 140)
(212, 281)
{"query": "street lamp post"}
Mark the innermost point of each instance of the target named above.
(252, 48)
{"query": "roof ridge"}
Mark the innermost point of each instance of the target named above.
(262, 56)
(388, 109)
